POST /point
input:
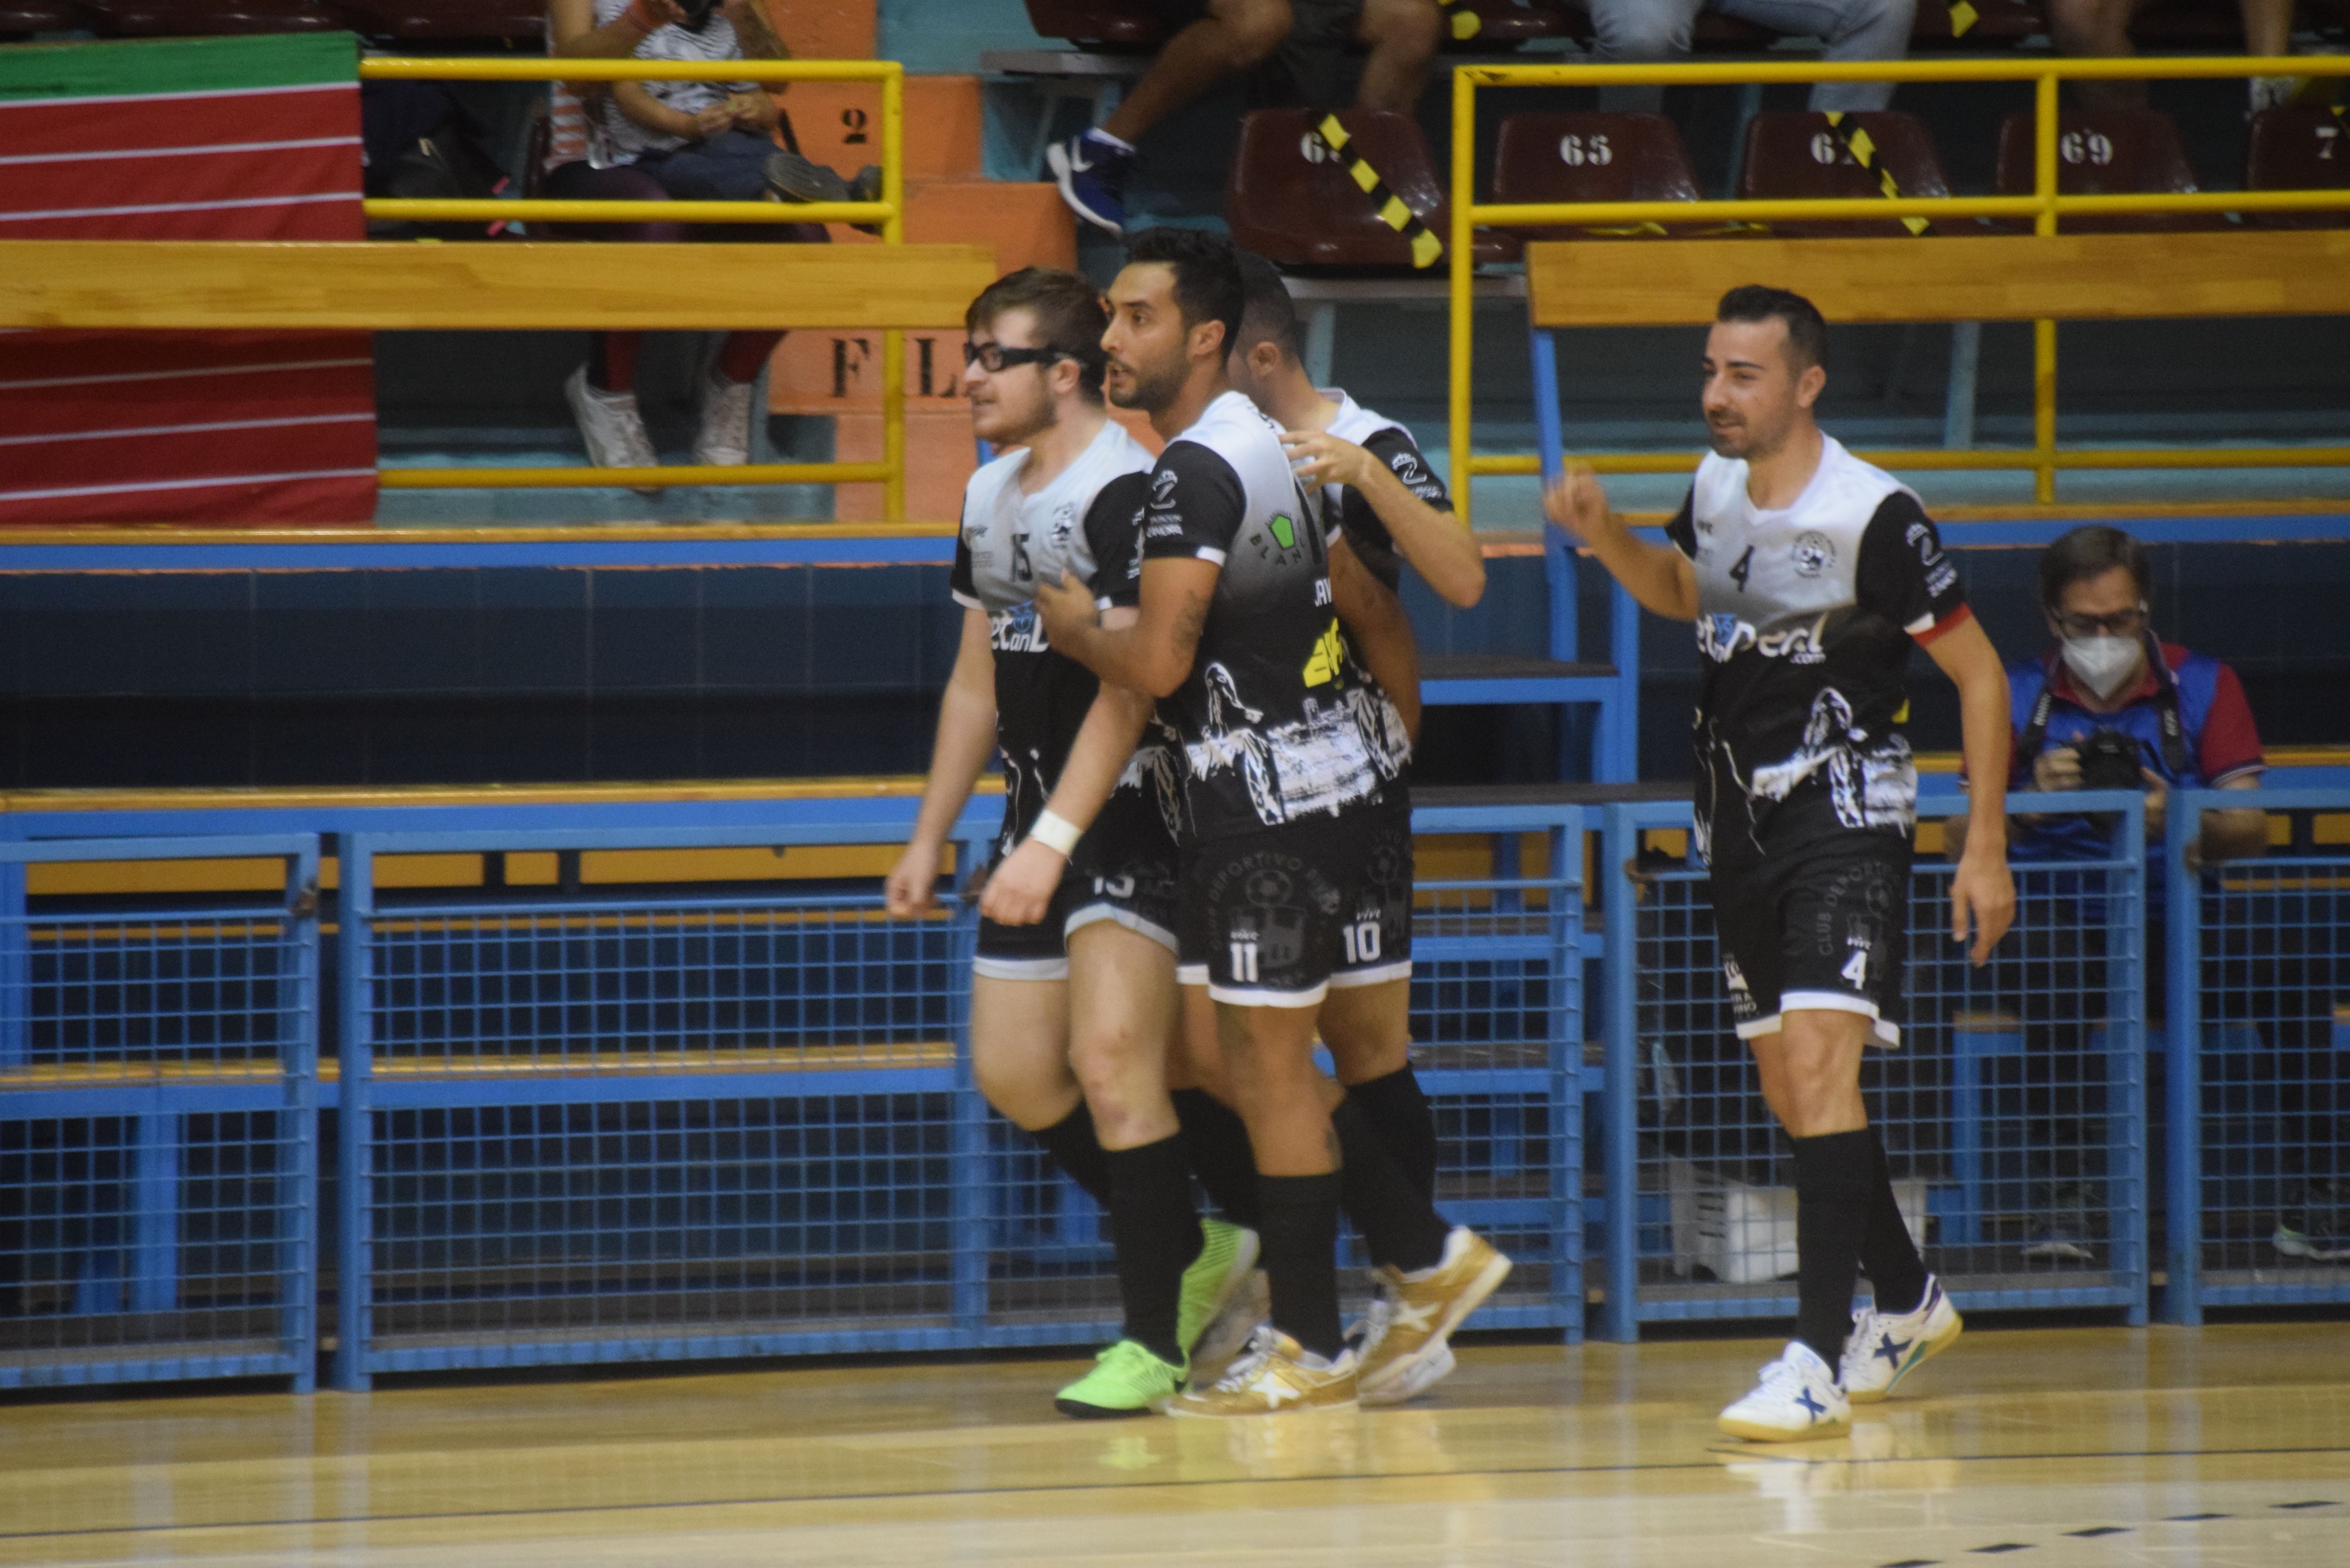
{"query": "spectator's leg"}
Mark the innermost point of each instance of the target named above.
(1401, 35)
(603, 393)
(2098, 29)
(1233, 35)
(726, 168)
(2268, 34)
(1640, 32)
(1852, 29)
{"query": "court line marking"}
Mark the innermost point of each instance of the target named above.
(823, 1497)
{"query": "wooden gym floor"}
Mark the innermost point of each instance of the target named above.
(2217, 1448)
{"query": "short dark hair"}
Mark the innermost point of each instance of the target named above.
(1206, 275)
(1267, 313)
(2090, 551)
(1807, 330)
(1070, 318)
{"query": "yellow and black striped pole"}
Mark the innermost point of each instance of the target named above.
(1427, 250)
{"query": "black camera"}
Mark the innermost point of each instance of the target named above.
(697, 13)
(2109, 760)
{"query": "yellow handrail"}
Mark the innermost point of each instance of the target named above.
(2045, 206)
(888, 211)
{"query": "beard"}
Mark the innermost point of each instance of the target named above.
(1151, 388)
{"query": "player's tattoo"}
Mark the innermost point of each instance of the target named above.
(1191, 623)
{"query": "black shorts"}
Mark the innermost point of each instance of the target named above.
(1123, 870)
(1277, 918)
(1818, 920)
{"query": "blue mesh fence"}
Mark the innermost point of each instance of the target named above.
(626, 1121)
(2262, 981)
(158, 1124)
(2013, 1113)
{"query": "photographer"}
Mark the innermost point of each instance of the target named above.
(665, 140)
(2110, 707)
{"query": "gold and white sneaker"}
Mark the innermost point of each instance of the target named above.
(1405, 1347)
(1276, 1376)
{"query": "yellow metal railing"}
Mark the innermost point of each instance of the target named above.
(890, 212)
(2044, 207)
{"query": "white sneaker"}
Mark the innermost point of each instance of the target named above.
(724, 441)
(1883, 1346)
(1797, 1398)
(611, 427)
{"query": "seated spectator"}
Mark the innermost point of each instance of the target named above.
(1627, 32)
(671, 140)
(1223, 37)
(2100, 29)
(2109, 698)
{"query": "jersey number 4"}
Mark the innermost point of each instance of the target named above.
(1856, 969)
(1745, 565)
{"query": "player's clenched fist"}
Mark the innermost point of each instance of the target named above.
(1577, 503)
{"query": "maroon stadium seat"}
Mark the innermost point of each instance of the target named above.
(1986, 22)
(453, 21)
(1797, 156)
(2300, 150)
(1488, 23)
(1114, 23)
(2212, 26)
(22, 18)
(185, 18)
(1294, 203)
(2106, 153)
(1591, 156)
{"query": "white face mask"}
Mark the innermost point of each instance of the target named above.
(2104, 664)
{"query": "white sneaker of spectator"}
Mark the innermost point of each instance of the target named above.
(725, 438)
(611, 427)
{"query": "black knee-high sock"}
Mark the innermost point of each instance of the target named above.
(1897, 1275)
(1399, 1226)
(1071, 1144)
(1834, 1176)
(1398, 1113)
(1301, 1258)
(1216, 1142)
(1157, 1235)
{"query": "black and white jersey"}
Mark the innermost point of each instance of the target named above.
(1806, 618)
(1085, 524)
(1392, 445)
(1276, 720)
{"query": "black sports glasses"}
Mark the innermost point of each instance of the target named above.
(994, 356)
(2121, 623)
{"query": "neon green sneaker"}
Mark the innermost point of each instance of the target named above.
(1126, 1380)
(1219, 1274)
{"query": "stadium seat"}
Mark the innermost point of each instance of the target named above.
(450, 21)
(1794, 156)
(1591, 156)
(22, 18)
(1101, 24)
(187, 18)
(1974, 24)
(2300, 150)
(2209, 26)
(1485, 25)
(2106, 153)
(1292, 201)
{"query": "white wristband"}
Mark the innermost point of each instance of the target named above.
(1056, 833)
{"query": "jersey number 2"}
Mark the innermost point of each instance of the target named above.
(1745, 565)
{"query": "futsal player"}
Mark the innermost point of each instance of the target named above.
(1810, 575)
(1290, 883)
(1071, 1015)
(1390, 509)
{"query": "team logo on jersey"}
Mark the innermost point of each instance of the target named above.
(1279, 541)
(1330, 655)
(1163, 488)
(1064, 522)
(1814, 553)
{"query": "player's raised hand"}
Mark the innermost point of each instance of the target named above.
(1022, 889)
(1065, 607)
(1578, 503)
(912, 884)
(1983, 891)
(1321, 457)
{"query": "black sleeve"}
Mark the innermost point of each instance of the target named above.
(1682, 529)
(1113, 533)
(1395, 447)
(1903, 574)
(960, 582)
(1196, 505)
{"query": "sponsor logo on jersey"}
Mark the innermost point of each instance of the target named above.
(1017, 631)
(1722, 637)
(1814, 553)
(1163, 488)
(1330, 655)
